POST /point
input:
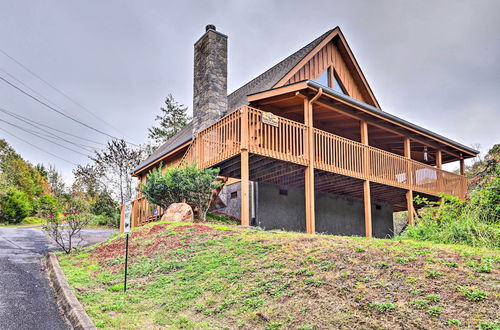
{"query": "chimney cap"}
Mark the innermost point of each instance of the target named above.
(210, 27)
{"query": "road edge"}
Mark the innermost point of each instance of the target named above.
(71, 307)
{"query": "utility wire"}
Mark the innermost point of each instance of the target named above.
(35, 92)
(10, 113)
(58, 111)
(53, 135)
(41, 137)
(36, 147)
(59, 91)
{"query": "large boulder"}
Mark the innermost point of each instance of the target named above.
(179, 212)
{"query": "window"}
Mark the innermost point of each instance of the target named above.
(234, 194)
(324, 78)
(283, 192)
(337, 86)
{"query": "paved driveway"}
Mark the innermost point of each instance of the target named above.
(26, 299)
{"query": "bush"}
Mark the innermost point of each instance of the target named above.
(186, 184)
(104, 205)
(46, 205)
(15, 205)
(474, 221)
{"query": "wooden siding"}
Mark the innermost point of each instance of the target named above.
(329, 56)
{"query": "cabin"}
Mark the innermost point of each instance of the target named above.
(305, 146)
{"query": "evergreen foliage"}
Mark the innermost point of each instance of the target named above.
(172, 119)
(186, 184)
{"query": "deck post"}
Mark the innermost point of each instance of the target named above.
(409, 193)
(245, 171)
(439, 166)
(366, 183)
(462, 165)
(368, 208)
(309, 171)
(409, 206)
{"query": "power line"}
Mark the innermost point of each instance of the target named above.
(51, 135)
(10, 113)
(34, 91)
(36, 147)
(59, 91)
(41, 137)
(58, 111)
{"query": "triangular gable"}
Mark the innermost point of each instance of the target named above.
(333, 54)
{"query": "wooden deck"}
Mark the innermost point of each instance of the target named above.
(286, 140)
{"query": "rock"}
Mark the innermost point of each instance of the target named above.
(178, 212)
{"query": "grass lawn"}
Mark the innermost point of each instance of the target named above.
(220, 276)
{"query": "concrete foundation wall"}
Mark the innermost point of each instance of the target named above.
(336, 215)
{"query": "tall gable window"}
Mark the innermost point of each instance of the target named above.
(324, 78)
(337, 86)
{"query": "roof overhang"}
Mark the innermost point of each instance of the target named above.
(170, 151)
(372, 114)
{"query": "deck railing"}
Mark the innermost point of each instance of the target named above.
(284, 139)
(343, 156)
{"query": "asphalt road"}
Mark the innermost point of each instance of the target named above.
(26, 298)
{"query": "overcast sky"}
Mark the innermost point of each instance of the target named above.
(434, 63)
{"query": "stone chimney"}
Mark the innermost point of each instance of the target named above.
(210, 79)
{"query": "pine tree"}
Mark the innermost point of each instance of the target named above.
(172, 119)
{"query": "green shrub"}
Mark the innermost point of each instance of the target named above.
(454, 222)
(474, 221)
(104, 205)
(185, 184)
(46, 204)
(15, 205)
(33, 221)
(472, 295)
(383, 307)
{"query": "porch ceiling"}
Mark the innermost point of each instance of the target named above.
(285, 174)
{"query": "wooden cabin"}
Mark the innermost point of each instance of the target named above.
(306, 145)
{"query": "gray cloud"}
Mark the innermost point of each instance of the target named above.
(435, 63)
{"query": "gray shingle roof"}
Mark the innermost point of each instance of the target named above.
(238, 98)
(269, 78)
(183, 136)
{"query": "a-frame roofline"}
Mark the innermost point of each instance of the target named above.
(348, 56)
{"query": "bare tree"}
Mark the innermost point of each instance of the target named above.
(116, 162)
(88, 179)
(66, 231)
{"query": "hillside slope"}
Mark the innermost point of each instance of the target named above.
(217, 276)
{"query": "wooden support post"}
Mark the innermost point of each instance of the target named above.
(439, 159)
(309, 171)
(409, 193)
(368, 208)
(366, 184)
(245, 171)
(462, 165)
(409, 206)
(439, 166)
